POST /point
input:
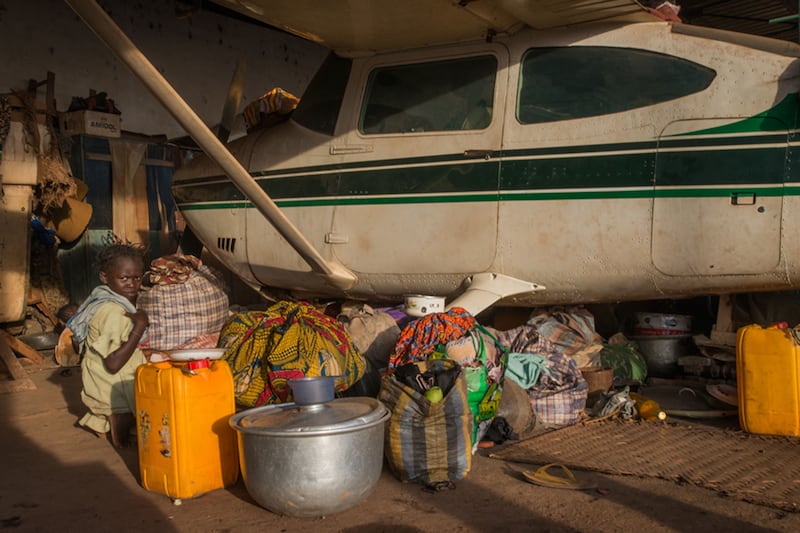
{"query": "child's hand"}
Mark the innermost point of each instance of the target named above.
(139, 319)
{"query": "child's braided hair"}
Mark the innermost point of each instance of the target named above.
(119, 248)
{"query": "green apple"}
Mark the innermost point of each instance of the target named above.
(434, 394)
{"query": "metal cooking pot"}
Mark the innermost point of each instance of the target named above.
(311, 460)
(661, 353)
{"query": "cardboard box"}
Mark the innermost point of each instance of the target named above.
(91, 123)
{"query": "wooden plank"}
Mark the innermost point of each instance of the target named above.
(125, 160)
(17, 385)
(722, 332)
(37, 298)
(20, 381)
(14, 248)
(141, 215)
(21, 348)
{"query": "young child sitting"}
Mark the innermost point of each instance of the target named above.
(107, 329)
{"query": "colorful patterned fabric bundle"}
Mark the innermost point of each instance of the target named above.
(559, 395)
(568, 329)
(171, 269)
(420, 337)
(275, 100)
(288, 340)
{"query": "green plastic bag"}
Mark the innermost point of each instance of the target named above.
(482, 394)
(626, 360)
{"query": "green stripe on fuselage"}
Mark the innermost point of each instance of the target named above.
(623, 170)
(783, 116)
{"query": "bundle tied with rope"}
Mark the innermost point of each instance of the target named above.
(55, 184)
(57, 197)
(288, 340)
(58, 202)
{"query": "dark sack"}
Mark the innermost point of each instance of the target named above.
(429, 443)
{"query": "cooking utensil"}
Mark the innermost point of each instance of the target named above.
(661, 352)
(311, 460)
(420, 305)
(312, 390)
(196, 354)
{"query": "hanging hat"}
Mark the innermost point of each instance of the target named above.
(71, 219)
(82, 189)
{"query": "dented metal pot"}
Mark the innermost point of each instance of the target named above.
(311, 460)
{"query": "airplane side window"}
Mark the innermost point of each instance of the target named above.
(319, 106)
(433, 96)
(586, 81)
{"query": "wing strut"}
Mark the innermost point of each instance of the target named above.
(108, 32)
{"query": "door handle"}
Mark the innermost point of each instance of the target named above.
(351, 149)
(743, 198)
(478, 154)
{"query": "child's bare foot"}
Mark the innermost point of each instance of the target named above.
(90, 430)
(121, 424)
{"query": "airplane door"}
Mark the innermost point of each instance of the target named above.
(718, 200)
(418, 190)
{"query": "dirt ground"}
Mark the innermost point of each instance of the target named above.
(59, 477)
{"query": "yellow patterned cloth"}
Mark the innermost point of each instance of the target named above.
(289, 340)
(274, 102)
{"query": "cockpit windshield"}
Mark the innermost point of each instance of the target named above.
(319, 107)
(455, 94)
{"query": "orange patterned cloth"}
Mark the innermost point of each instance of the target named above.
(420, 337)
(275, 101)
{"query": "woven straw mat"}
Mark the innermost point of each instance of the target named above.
(753, 468)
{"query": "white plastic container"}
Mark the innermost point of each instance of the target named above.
(420, 305)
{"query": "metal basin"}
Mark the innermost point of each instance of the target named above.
(311, 460)
(661, 353)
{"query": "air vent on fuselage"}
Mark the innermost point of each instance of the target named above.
(226, 243)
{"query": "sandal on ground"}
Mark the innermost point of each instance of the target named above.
(566, 481)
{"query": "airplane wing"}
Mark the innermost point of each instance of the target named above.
(361, 26)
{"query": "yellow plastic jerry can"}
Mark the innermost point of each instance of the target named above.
(186, 445)
(768, 379)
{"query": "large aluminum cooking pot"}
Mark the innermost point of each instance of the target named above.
(311, 460)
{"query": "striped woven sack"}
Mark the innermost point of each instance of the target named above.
(559, 396)
(288, 340)
(181, 311)
(428, 443)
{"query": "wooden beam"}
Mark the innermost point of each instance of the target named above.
(20, 381)
(37, 299)
(21, 348)
(722, 332)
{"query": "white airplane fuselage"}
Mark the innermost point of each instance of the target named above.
(603, 162)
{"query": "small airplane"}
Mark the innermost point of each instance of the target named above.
(513, 152)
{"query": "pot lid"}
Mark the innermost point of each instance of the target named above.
(289, 419)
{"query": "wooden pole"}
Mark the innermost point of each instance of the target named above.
(20, 347)
(20, 381)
